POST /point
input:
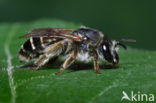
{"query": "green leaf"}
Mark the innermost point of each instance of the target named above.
(136, 72)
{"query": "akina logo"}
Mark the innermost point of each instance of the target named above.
(138, 96)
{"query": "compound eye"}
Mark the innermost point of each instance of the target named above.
(104, 47)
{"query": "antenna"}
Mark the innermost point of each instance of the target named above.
(127, 40)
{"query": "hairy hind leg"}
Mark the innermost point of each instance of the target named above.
(51, 52)
(69, 61)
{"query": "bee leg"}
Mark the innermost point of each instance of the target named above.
(68, 61)
(95, 62)
(52, 51)
(96, 66)
(32, 68)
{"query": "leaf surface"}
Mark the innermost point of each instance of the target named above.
(136, 72)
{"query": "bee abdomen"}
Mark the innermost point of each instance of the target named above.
(24, 56)
(34, 47)
(30, 50)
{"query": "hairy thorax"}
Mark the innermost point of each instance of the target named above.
(83, 54)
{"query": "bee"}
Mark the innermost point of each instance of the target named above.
(83, 44)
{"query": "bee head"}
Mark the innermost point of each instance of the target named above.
(108, 49)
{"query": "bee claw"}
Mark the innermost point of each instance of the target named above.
(32, 68)
(58, 72)
(98, 72)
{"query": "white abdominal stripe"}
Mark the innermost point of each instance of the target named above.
(34, 47)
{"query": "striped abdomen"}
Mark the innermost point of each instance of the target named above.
(34, 47)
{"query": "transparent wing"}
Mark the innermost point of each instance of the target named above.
(53, 32)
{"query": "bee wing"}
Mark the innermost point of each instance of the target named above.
(53, 32)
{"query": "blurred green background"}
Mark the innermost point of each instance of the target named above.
(116, 18)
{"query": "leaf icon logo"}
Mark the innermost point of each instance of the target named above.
(125, 96)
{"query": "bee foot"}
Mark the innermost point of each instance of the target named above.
(32, 68)
(98, 72)
(58, 72)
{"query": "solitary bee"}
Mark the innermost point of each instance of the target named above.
(84, 44)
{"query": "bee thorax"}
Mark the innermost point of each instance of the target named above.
(84, 57)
